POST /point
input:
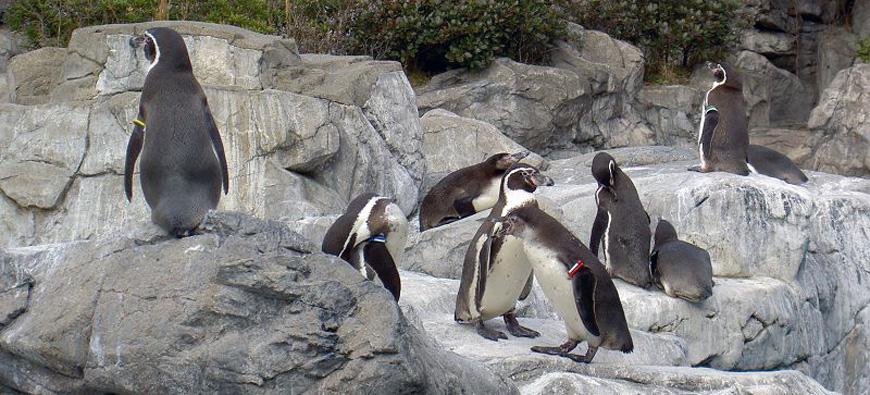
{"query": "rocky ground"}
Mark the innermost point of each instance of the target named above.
(93, 299)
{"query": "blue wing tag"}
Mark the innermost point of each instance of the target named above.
(378, 238)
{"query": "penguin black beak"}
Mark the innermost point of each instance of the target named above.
(520, 155)
(137, 41)
(542, 180)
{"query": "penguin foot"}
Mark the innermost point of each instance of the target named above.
(515, 329)
(696, 168)
(561, 351)
(590, 353)
(489, 334)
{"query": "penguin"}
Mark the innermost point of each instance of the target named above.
(680, 269)
(574, 281)
(182, 166)
(466, 191)
(495, 273)
(371, 236)
(723, 135)
(763, 160)
(621, 223)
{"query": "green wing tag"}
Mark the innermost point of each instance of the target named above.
(709, 108)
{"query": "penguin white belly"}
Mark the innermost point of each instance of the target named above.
(553, 278)
(488, 196)
(505, 280)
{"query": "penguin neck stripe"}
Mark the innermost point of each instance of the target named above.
(156, 51)
(574, 269)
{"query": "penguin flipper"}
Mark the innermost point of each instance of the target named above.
(134, 147)
(584, 297)
(711, 120)
(653, 265)
(598, 229)
(218, 146)
(528, 288)
(464, 206)
(378, 257)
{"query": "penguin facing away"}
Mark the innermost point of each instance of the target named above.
(466, 191)
(575, 283)
(371, 236)
(621, 224)
(681, 269)
(496, 273)
(182, 165)
(723, 135)
(763, 160)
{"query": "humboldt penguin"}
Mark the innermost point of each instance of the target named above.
(371, 236)
(182, 166)
(681, 269)
(574, 281)
(495, 273)
(621, 223)
(466, 191)
(763, 160)
(723, 136)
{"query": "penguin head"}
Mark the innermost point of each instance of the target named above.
(524, 177)
(504, 160)
(724, 74)
(163, 46)
(665, 232)
(604, 169)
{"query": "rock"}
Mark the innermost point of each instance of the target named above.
(451, 142)
(797, 144)
(673, 113)
(256, 313)
(768, 14)
(861, 18)
(45, 148)
(840, 121)
(345, 79)
(32, 75)
(767, 43)
(581, 102)
(101, 62)
(774, 97)
(10, 45)
(836, 52)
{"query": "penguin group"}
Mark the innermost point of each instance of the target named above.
(183, 170)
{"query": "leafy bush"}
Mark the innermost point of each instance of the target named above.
(670, 32)
(863, 51)
(434, 35)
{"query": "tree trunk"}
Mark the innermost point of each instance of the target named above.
(163, 10)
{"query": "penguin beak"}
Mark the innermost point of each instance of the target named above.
(519, 155)
(541, 180)
(137, 41)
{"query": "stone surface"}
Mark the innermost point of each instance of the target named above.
(256, 313)
(345, 79)
(836, 52)
(774, 97)
(840, 120)
(861, 18)
(451, 142)
(32, 75)
(797, 144)
(672, 112)
(768, 43)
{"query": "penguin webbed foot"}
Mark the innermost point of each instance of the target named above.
(565, 351)
(488, 333)
(517, 330)
(695, 168)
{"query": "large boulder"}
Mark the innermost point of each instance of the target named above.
(244, 307)
(673, 112)
(31, 76)
(836, 52)
(582, 101)
(774, 97)
(841, 122)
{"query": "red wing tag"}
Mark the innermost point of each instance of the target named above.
(574, 269)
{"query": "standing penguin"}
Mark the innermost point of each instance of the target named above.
(723, 136)
(681, 269)
(371, 236)
(466, 191)
(575, 283)
(763, 160)
(495, 273)
(621, 222)
(183, 165)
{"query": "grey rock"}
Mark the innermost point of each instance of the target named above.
(768, 14)
(615, 65)
(451, 142)
(839, 120)
(32, 75)
(768, 43)
(797, 144)
(256, 312)
(11, 44)
(861, 18)
(774, 97)
(345, 79)
(673, 113)
(836, 52)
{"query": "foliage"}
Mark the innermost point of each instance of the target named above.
(321, 26)
(670, 32)
(434, 35)
(863, 51)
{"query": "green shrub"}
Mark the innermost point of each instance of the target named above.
(863, 51)
(434, 35)
(670, 32)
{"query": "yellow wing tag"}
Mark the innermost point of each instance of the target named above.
(139, 122)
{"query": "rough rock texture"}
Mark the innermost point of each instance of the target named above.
(32, 75)
(582, 101)
(797, 144)
(290, 155)
(840, 122)
(673, 111)
(256, 312)
(774, 97)
(836, 52)
(861, 18)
